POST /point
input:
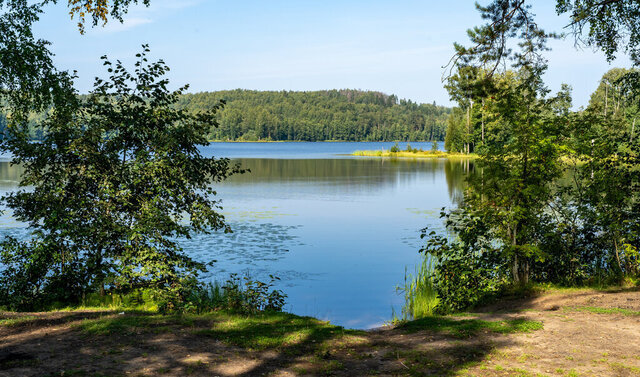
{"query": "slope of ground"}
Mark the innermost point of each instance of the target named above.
(569, 333)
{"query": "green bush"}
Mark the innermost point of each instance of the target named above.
(462, 282)
(253, 295)
(242, 295)
(468, 271)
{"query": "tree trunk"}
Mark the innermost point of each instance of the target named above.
(520, 271)
(483, 121)
(519, 266)
(615, 244)
(606, 98)
(469, 125)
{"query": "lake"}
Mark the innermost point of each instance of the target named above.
(338, 230)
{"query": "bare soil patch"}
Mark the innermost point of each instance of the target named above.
(585, 333)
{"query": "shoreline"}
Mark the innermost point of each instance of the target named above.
(317, 141)
(574, 331)
(416, 154)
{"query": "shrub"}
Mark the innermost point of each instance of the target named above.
(242, 295)
(252, 296)
(469, 270)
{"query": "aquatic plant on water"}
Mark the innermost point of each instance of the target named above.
(420, 294)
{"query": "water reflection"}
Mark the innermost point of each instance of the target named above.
(363, 174)
(456, 172)
(9, 175)
(339, 232)
(354, 176)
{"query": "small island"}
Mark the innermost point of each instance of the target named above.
(409, 152)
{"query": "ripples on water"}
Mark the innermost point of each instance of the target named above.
(338, 230)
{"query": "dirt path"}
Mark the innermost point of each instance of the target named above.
(585, 333)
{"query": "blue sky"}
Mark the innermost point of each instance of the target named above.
(397, 47)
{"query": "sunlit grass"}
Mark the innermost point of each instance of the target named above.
(145, 300)
(271, 330)
(260, 331)
(599, 286)
(598, 310)
(465, 328)
(16, 321)
(413, 154)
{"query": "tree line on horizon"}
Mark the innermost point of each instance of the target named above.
(340, 115)
(326, 115)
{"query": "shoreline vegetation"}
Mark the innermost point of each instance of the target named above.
(309, 141)
(413, 154)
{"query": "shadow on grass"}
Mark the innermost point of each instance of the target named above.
(226, 344)
(523, 300)
(17, 321)
(466, 328)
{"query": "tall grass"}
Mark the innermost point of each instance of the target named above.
(141, 299)
(414, 153)
(240, 294)
(420, 295)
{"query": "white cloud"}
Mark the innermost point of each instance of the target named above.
(141, 15)
(129, 23)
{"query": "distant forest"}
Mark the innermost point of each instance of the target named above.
(346, 115)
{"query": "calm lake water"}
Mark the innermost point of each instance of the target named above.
(338, 230)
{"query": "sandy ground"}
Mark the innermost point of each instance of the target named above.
(577, 340)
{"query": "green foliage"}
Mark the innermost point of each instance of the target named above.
(454, 138)
(29, 80)
(394, 148)
(113, 182)
(244, 295)
(471, 88)
(346, 115)
(501, 228)
(507, 198)
(16, 321)
(238, 295)
(139, 300)
(99, 11)
(594, 230)
(527, 212)
(253, 296)
(421, 298)
(608, 25)
(581, 223)
(469, 271)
